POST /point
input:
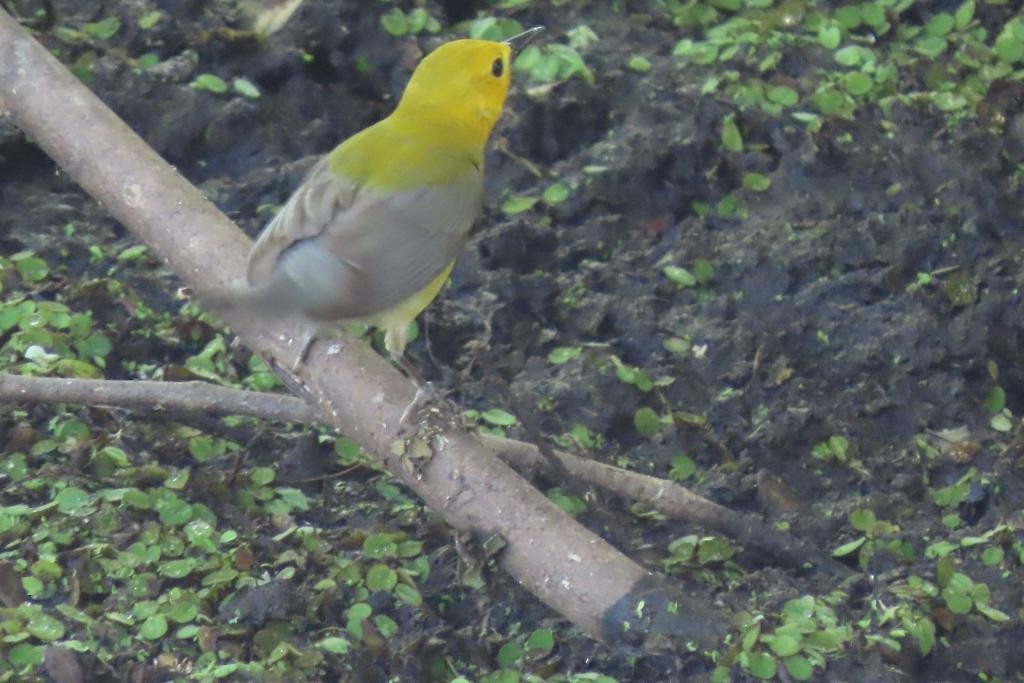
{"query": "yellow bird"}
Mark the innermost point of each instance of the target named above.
(373, 231)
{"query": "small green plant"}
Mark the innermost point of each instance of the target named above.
(961, 595)
(807, 633)
(683, 467)
(553, 62)
(904, 614)
(104, 29)
(46, 337)
(579, 439)
(881, 54)
(516, 654)
(706, 558)
(632, 375)
(838, 448)
(648, 423)
(876, 535)
(417, 20)
(493, 421)
(209, 83)
(569, 502)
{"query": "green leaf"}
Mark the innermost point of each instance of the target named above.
(104, 29)
(647, 421)
(858, 83)
(44, 627)
(697, 52)
(336, 645)
(177, 569)
(849, 16)
(829, 36)
(408, 595)
(762, 665)
(509, 655)
(703, 270)
(784, 95)
(863, 520)
(964, 15)
(799, 667)
(995, 400)
(680, 276)
(992, 613)
(947, 101)
(381, 578)
(556, 194)
(261, 476)
(1001, 423)
(154, 628)
(209, 83)
(939, 549)
(958, 603)
(542, 640)
(31, 268)
(847, 548)
(756, 182)
(498, 417)
(115, 455)
(245, 88)
(930, 46)
(683, 467)
(874, 15)
(940, 24)
(992, 556)
(395, 22)
(848, 56)
(379, 546)
(571, 505)
(714, 549)
(410, 548)
(518, 204)
(563, 354)
(639, 63)
(732, 140)
(386, 625)
(923, 631)
(24, 655)
(784, 645)
(149, 19)
(73, 501)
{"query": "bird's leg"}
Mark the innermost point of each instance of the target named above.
(395, 339)
(306, 343)
(425, 392)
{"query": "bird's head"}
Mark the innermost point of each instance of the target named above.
(466, 79)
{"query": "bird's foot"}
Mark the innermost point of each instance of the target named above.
(305, 344)
(428, 402)
(425, 397)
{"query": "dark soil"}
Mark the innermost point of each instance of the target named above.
(811, 327)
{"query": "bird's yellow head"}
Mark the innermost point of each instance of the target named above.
(465, 81)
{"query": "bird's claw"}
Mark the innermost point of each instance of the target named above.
(426, 397)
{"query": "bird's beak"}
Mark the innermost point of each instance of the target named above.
(519, 42)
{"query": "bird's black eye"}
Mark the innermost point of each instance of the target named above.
(498, 67)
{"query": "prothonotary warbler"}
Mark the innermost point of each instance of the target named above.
(373, 231)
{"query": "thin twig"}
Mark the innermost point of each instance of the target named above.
(666, 497)
(198, 397)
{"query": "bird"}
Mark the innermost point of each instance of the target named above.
(373, 231)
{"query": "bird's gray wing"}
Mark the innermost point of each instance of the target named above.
(318, 201)
(378, 251)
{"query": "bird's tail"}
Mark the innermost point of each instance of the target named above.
(269, 299)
